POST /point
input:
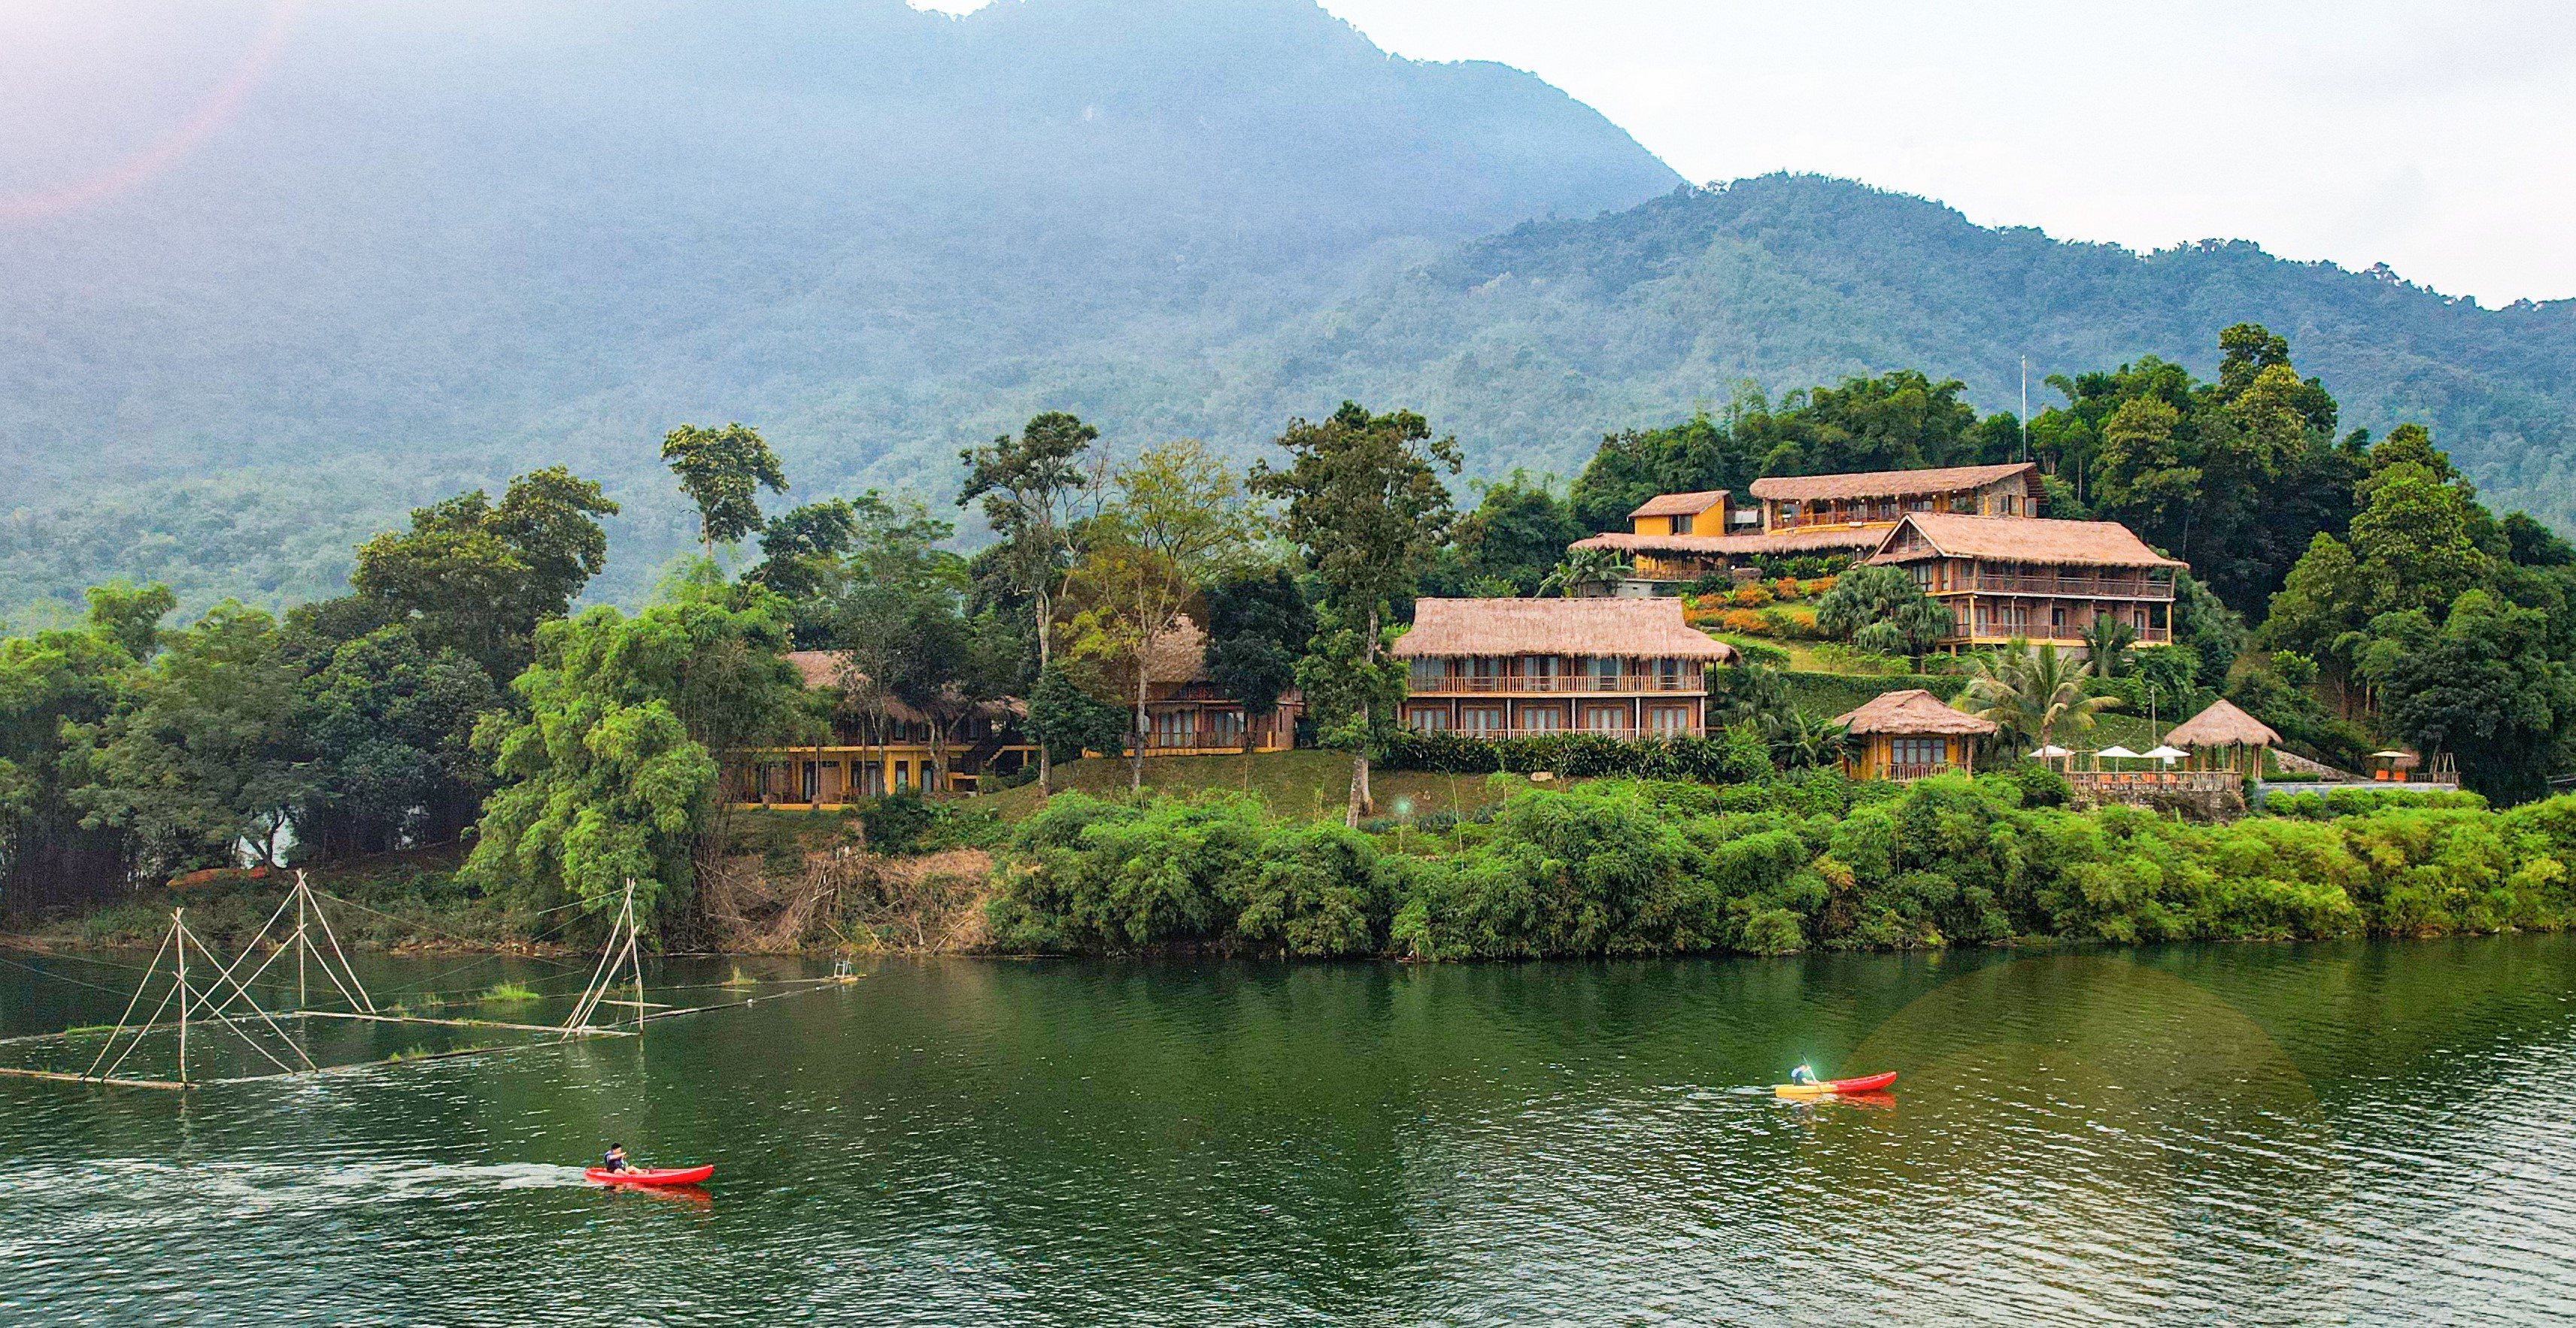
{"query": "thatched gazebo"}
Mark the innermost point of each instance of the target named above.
(1910, 734)
(2224, 737)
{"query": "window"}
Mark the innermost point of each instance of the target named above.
(1481, 719)
(1542, 719)
(1605, 719)
(1487, 671)
(1669, 721)
(1429, 675)
(1682, 524)
(1604, 671)
(1428, 719)
(813, 783)
(1543, 669)
(1919, 751)
(902, 775)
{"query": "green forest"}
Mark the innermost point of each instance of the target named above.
(886, 234)
(2350, 590)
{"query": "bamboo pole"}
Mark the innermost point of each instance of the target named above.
(137, 999)
(61, 1077)
(225, 975)
(361, 998)
(179, 929)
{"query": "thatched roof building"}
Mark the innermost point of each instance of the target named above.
(2223, 725)
(1625, 628)
(2017, 540)
(1912, 712)
(1680, 504)
(1896, 483)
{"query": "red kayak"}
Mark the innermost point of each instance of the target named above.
(652, 1175)
(1837, 1087)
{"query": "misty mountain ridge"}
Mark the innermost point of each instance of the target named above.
(436, 247)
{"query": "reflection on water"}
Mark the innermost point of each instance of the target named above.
(2363, 1133)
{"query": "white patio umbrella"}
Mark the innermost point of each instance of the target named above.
(2118, 753)
(2163, 753)
(2050, 753)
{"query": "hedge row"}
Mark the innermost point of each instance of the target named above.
(1729, 756)
(1640, 867)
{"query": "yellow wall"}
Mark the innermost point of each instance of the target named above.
(1654, 525)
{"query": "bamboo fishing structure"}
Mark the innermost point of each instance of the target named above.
(224, 1001)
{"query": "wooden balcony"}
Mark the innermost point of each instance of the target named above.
(1562, 684)
(1922, 770)
(1995, 634)
(1623, 733)
(2069, 587)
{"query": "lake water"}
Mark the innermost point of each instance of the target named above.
(2358, 1133)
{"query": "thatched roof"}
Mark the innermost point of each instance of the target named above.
(831, 668)
(2223, 725)
(1827, 539)
(1680, 504)
(1625, 628)
(2020, 540)
(1895, 483)
(1912, 712)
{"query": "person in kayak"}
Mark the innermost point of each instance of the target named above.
(1802, 1075)
(615, 1159)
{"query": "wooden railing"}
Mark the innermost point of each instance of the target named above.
(2102, 587)
(1920, 770)
(1621, 732)
(2184, 781)
(1688, 680)
(1994, 631)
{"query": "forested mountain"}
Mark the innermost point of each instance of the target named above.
(451, 242)
(433, 248)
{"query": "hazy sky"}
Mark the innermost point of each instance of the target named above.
(2437, 138)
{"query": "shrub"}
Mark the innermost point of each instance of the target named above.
(1760, 654)
(1727, 756)
(1777, 865)
(896, 823)
(1752, 595)
(1744, 622)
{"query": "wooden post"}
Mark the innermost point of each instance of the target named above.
(180, 930)
(301, 1000)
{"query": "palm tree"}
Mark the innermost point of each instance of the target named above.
(2106, 645)
(1583, 566)
(2030, 694)
(1801, 741)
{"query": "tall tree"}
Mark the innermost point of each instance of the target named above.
(1258, 624)
(58, 690)
(2032, 694)
(479, 578)
(392, 761)
(723, 471)
(209, 755)
(608, 776)
(1367, 508)
(2486, 690)
(1176, 522)
(1034, 489)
